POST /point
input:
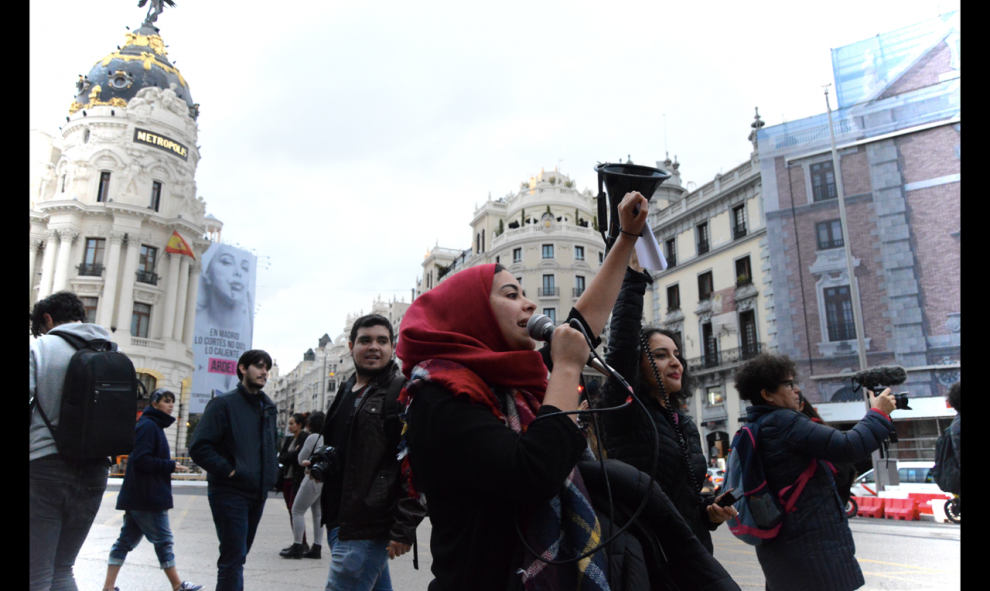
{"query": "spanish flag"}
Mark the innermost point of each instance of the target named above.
(178, 245)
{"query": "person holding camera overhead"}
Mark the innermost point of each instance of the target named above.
(366, 506)
(814, 549)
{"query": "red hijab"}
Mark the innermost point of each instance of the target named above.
(455, 322)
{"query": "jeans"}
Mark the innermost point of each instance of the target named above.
(236, 519)
(65, 496)
(150, 524)
(358, 565)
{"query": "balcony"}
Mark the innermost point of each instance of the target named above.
(703, 247)
(577, 291)
(147, 277)
(738, 231)
(726, 357)
(743, 280)
(671, 260)
(90, 270)
(548, 292)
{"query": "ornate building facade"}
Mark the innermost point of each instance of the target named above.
(107, 194)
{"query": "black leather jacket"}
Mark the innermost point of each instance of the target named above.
(372, 497)
(629, 434)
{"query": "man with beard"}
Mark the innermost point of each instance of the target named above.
(365, 501)
(235, 443)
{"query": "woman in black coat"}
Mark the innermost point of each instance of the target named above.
(814, 548)
(659, 376)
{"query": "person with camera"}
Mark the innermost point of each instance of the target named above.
(307, 498)
(369, 514)
(235, 443)
(814, 548)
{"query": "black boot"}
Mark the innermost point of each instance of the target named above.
(305, 548)
(314, 552)
(294, 551)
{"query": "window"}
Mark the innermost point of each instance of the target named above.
(739, 222)
(150, 384)
(715, 396)
(477, 243)
(156, 195)
(90, 305)
(498, 259)
(671, 254)
(93, 258)
(674, 297)
(744, 273)
(578, 286)
(516, 255)
(747, 334)
(829, 234)
(705, 286)
(601, 257)
(823, 181)
(839, 314)
(104, 191)
(140, 320)
(578, 253)
(710, 344)
(482, 241)
(146, 265)
(702, 231)
(548, 289)
(548, 251)
(551, 313)
(63, 184)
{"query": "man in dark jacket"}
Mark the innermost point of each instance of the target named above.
(235, 443)
(365, 501)
(146, 494)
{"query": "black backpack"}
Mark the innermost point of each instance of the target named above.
(99, 401)
(946, 470)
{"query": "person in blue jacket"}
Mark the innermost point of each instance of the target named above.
(146, 494)
(814, 549)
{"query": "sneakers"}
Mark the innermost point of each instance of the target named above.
(314, 552)
(187, 586)
(294, 551)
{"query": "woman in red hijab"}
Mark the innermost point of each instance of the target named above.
(475, 446)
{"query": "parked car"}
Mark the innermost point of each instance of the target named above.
(915, 478)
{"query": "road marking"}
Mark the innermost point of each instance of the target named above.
(109, 494)
(915, 581)
(182, 515)
(924, 568)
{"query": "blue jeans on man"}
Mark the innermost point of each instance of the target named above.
(65, 496)
(150, 524)
(236, 519)
(358, 565)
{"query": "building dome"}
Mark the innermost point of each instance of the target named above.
(141, 62)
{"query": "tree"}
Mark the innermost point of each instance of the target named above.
(523, 222)
(501, 228)
(596, 223)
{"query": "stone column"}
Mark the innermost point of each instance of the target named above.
(66, 237)
(170, 290)
(48, 265)
(180, 304)
(191, 298)
(36, 245)
(125, 309)
(105, 317)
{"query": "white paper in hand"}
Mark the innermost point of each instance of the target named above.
(648, 251)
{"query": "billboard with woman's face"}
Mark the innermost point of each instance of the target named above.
(224, 321)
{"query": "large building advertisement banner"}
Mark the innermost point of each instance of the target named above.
(224, 321)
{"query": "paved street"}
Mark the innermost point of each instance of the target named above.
(894, 555)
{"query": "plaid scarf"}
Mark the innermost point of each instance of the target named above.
(561, 528)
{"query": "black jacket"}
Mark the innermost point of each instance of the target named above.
(288, 459)
(237, 431)
(369, 497)
(148, 480)
(628, 434)
(814, 549)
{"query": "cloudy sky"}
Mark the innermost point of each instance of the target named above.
(344, 139)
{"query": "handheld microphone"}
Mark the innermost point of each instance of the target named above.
(541, 328)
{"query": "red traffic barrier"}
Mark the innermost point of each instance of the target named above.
(870, 506)
(923, 498)
(905, 509)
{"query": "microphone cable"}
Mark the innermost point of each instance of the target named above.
(656, 457)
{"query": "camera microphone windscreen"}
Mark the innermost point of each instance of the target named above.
(885, 375)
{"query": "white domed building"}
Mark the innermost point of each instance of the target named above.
(108, 193)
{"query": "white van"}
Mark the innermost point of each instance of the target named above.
(915, 478)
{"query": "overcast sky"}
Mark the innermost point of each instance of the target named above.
(345, 139)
